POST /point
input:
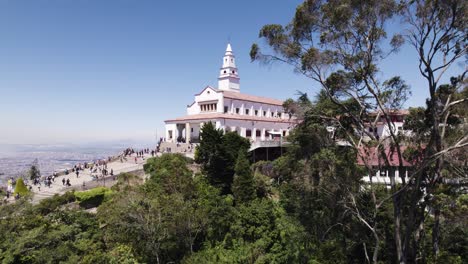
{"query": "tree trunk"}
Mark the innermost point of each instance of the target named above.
(397, 222)
(436, 233)
(397, 229)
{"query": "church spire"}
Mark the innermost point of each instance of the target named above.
(228, 79)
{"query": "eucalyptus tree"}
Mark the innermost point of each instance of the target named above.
(437, 31)
(340, 45)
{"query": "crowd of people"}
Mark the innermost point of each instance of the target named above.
(97, 170)
(9, 191)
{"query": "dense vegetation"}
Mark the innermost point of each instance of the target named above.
(310, 205)
(302, 216)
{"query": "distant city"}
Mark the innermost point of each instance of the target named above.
(15, 159)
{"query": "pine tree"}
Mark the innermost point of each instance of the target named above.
(34, 172)
(243, 187)
(217, 153)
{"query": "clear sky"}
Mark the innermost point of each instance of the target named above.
(93, 70)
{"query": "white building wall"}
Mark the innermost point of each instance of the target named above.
(271, 110)
(242, 126)
(383, 130)
(173, 128)
(208, 94)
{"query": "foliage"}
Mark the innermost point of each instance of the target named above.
(94, 197)
(217, 153)
(124, 180)
(243, 187)
(51, 204)
(34, 172)
(341, 45)
(58, 236)
(20, 188)
(166, 217)
(261, 233)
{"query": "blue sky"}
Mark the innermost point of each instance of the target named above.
(93, 70)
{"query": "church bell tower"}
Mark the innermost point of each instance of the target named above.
(228, 79)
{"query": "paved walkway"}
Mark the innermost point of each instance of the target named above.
(57, 187)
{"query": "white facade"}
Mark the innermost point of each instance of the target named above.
(253, 117)
(382, 129)
(228, 79)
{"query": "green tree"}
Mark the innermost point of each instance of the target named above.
(168, 216)
(261, 232)
(217, 153)
(29, 234)
(21, 188)
(34, 172)
(340, 45)
(243, 187)
(211, 155)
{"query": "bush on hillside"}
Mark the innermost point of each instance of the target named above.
(21, 188)
(49, 205)
(94, 197)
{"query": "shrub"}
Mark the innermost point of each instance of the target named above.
(49, 205)
(94, 197)
(21, 188)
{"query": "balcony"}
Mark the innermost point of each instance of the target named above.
(267, 144)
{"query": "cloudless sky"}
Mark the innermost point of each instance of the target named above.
(93, 70)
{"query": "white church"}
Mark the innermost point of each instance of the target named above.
(262, 120)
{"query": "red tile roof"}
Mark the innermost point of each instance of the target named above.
(251, 98)
(372, 157)
(244, 97)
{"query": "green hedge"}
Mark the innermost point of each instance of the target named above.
(94, 197)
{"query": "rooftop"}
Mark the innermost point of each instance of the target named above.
(370, 156)
(251, 98)
(245, 97)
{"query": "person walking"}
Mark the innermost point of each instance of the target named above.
(63, 181)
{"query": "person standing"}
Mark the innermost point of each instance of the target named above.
(63, 181)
